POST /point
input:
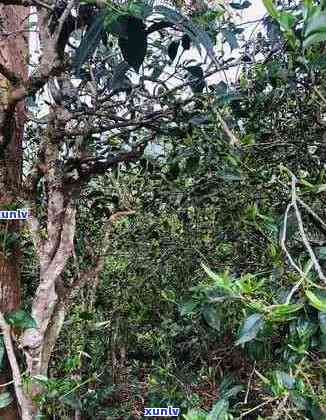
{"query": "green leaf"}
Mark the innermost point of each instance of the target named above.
(240, 5)
(228, 176)
(252, 325)
(225, 385)
(192, 164)
(270, 7)
(315, 38)
(20, 319)
(317, 299)
(284, 311)
(195, 414)
(316, 23)
(219, 410)
(286, 20)
(322, 322)
(134, 46)
(212, 315)
(315, 31)
(221, 88)
(119, 76)
(89, 42)
(117, 25)
(231, 39)
(141, 9)
(284, 379)
(223, 282)
(298, 400)
(186, 42)
(173, 49)
(72, 401)
(5, 399)
(188, 308)
(197, 77)
(195, 71)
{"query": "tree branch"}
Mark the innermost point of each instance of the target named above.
(21, 398)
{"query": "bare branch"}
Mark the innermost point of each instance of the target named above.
(17, 379)
(303, 234)
(283, 242)
(233, 139)
(63, 18)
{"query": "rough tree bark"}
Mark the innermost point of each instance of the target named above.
(13, 54)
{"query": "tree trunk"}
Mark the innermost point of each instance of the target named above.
(13, 54)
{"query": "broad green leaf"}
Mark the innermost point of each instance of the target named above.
(284, 379)
(223, 282)
(229, 176)
(305, 328)
(315, 31)
(270, 7)
(212, 315)
(226, 383)
(320, 188)
(195, 71)
(20, 319)
(89, 42)
(134, 46)
(286, 20)
(317, 299)
(231, 39)
(141, 9)
(241, 5)
(186, 42)
(248, 139)
(221, 88)
(315, 38)
(283, 311)
(72, 401)
(188, 308)
(195, 414)
(316, 24)
(252, 325)
(298, 400)
(5, 399)
(219, 410)
(119, 75)
(173, 50)
(192, 164)
(196, 78)
(232, 392)
(117, 25)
